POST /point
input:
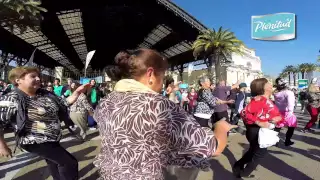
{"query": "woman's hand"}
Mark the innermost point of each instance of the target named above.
(81, 89)
(225, 102)
(5, 151)
(276, 119)
(221, 128)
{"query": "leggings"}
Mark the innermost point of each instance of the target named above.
(289, 133)
(62, 165)
(314, 112)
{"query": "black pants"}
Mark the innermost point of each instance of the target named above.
(289, 133)
(62, 165)
(254, 155)
(203, 122)
(235, 119)
(233, 112)
(191, 109)
(217, 116)
(180, 173)
(185, 106)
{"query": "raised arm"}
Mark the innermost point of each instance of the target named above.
(208, 97)
(81, 89)
(187, 137)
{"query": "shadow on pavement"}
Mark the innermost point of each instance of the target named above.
(279, 167)
(86, 170)
(306, 139)
(93, 176)
(219, 172)
(41, 173)
(311, 153)
(3, 172)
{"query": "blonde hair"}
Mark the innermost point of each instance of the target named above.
(20, 72)
(312, 88)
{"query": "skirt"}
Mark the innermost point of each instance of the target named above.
(289, 120)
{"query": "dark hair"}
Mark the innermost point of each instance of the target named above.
(133, 64)
(57, 79)
(76, 86)
(280, 84)
(168, 81)
(257, 86)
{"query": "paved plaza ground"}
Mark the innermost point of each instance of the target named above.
(299, 162)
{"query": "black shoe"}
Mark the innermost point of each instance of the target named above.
(250, 176)
(288, 143)
(236, 170)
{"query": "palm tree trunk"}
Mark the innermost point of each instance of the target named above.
(294, 79)
(289, 77)
(210, 63)
(217, 67)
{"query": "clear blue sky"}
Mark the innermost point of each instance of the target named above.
(236, 15)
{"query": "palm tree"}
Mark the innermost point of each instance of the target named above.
(295, 72)
(288, 70)
(21, 13)
(216, 47)
(303, 69)
(310, 68)
(283, 74)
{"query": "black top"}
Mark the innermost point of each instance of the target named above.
(303, 95)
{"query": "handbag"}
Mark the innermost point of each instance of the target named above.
(267, 137)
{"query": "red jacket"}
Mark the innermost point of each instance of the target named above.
(259, 109)
(192, 99)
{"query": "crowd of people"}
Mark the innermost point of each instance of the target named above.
(147, 132)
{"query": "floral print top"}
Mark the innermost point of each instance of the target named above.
(81, 105)
(206, 102)
(314, 99)
(259, 109)
(145, 132)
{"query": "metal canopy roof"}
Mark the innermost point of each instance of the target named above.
(72, 28)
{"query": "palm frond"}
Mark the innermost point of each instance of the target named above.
(21, 14)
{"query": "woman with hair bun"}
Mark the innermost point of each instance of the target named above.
(144, 134)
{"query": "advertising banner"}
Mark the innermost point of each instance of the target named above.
(84, 80)
(302, 83)
(274, 27)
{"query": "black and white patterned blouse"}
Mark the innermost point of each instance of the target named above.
(142, 133)
(82, 105)
(42, 125)
(205, 104)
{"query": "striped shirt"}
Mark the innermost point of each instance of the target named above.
(42, 125)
